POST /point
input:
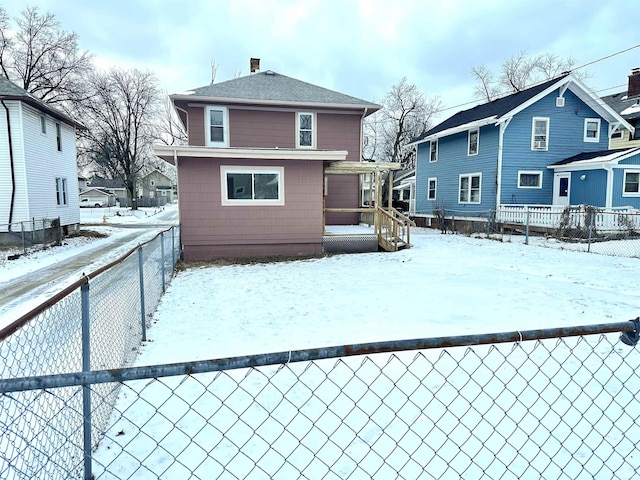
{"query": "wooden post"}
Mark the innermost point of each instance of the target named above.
(390, 189)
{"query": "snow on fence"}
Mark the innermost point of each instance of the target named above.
(604, 220)
(554, 403)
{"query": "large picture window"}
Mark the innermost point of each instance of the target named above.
(252, 185)
(631, 183)
(306, 130)
(540, 133)
(216, 122)
(470, 188)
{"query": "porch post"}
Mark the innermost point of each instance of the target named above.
(390, 180)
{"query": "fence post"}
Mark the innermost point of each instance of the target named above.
(86, 389)
(24, 241)
(142, 311)
(526, 236)
(591, 216)
(173, 248)
(162, 255)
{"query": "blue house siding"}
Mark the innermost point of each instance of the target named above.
(631, 163)
(566, 138)
(589, 191)
(452, 162)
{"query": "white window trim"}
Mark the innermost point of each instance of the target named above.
(597, 137)
(477, 130)
(62, 195)
(624, 182)
(533, 134)
(313, 130)
(529, 172)
(433, 142)
(470, 175)
(435, 190)
(225, 126)
(226, 201)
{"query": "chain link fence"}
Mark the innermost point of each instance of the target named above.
(19, 238)
(582, 228)
(557, 403)
(96, 323)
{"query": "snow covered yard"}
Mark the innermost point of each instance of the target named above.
(384, 416)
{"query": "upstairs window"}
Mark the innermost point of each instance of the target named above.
(43, 124)
(473, 142)
(540, 133)
(61, 191)
(252, 185)
(591, 129)
(631, 183)
(217, 126)
(433, 186)
(470, 188)
(433, 153)
(306, 131)
(58, 137)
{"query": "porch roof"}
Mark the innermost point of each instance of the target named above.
(343, 167)
(594, 159)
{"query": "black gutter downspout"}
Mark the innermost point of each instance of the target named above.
(13, 175)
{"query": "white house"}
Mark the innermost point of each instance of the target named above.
(38, 172)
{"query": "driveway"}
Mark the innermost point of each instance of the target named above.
(23, 292)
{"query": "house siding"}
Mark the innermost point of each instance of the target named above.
(589, 191)
(262, 129)
(618, 183)
(566, 138)
(210, 230)
(453, 161)
(44, 163)
(20, 195)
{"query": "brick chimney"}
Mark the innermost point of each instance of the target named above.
(634, 83)
(254, 65)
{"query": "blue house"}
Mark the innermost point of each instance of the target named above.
(524, 149)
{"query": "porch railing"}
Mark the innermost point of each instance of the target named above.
(393, 229)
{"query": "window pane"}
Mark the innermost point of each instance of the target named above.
(305, 138)
(632, 182)
(529, 180)
(464, 189)
(216, 117)
(217, 134)
(475, 182)
(541, 127)
(239, 186)
(266, 186)
(473, 142)
(305, 122)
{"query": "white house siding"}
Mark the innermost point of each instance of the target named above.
(45, 163)
(21, 207)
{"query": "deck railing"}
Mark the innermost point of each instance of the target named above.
(393, 229)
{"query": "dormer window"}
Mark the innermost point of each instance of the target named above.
(216, 122)
(591, 129)
(306, 132)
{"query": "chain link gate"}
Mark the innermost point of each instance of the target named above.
(558, 403)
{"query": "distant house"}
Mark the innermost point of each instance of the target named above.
(96, 197)
(270, 162)
(114, 185)
(627, 104)
(38, 169)
(520, 150)
(156, 185)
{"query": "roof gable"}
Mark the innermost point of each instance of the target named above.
(273, 88)
(502, 109)
(11, 91)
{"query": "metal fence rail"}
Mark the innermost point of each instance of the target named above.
(32, 235)
(98, 322)
(557, 403)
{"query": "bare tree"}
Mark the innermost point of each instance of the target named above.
(519, 72)
(406, 114)
(43, 58)
(170, 129)
(122, 112)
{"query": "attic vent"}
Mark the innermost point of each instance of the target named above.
(270, 72)
(560, 102)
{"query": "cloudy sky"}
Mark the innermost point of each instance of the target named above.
(358, 47)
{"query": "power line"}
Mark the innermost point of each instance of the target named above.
(607, 56)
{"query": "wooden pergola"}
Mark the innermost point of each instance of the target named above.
(387, 221)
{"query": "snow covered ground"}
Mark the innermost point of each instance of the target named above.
(444, 285)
